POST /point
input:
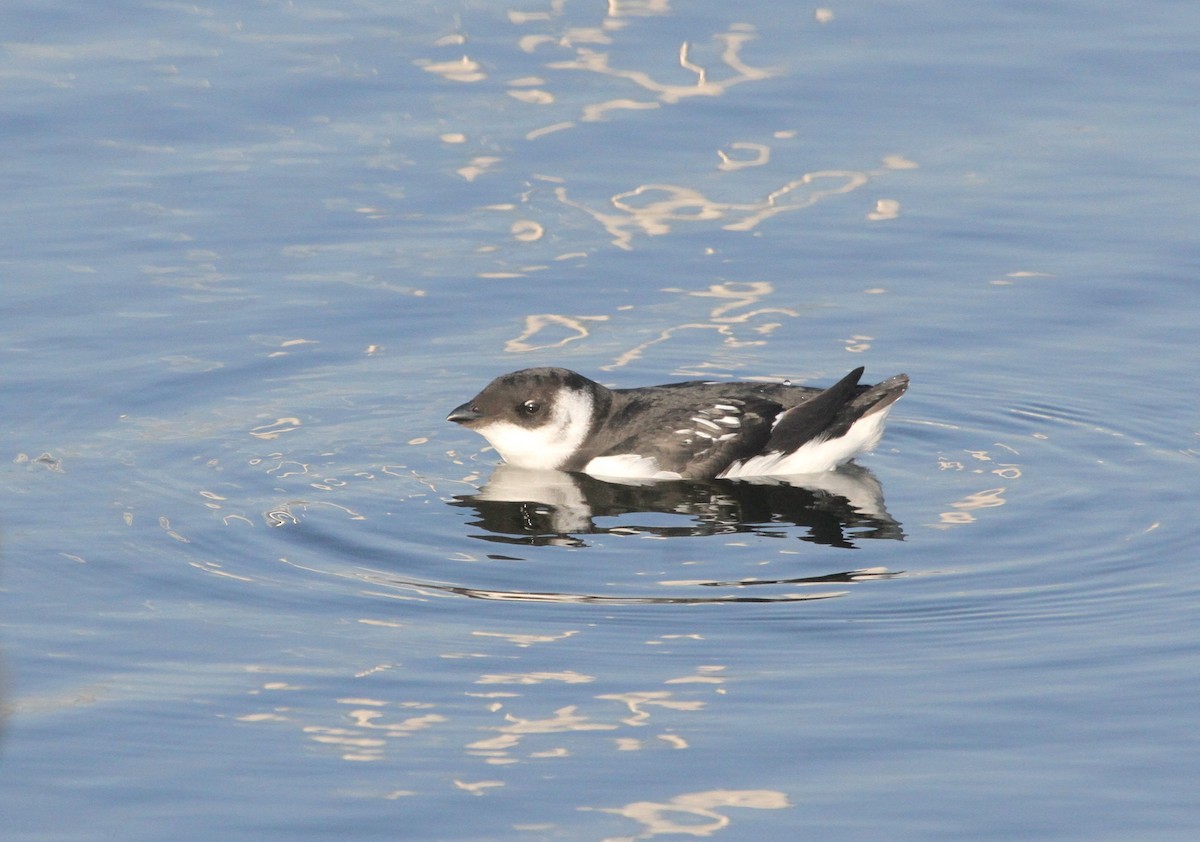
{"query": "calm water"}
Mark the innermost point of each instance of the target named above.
(254, 587)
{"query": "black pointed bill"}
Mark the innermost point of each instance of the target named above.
(464, 414)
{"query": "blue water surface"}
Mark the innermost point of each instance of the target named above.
(253, 585)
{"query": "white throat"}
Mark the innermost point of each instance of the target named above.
(551, 443)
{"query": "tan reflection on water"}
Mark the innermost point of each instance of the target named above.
(497, 751)
(639, 702)
(368, 724)
(652, 209)
(711, 67)
(516, 730)
(520, 719)
(731, 68)
(762, 154)
(738, 313)
(460, 70)
(680, 814)
(962, 511)
(525, 640)
(536, 323)
(369, 732)
(276, 428)
(732, 42)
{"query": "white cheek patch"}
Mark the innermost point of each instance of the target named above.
(551, 443)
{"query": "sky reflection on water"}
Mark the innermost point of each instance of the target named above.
(254, 586)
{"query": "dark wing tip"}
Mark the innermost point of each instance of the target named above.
(815, 417)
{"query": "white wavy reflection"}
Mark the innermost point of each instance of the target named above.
(1002, 465)
(738, 311)
(693, 813)
(634, 85)
(652, 209)
(732, 43)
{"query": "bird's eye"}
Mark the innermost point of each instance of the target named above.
(531, 407)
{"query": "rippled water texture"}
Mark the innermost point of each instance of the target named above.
(254, 586)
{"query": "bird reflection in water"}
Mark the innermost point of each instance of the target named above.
(518, 506)
(541, 508)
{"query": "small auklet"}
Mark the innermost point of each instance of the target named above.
(553, 418)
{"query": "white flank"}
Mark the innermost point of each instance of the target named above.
(815, 456)
(627, 466)
(550, 444)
